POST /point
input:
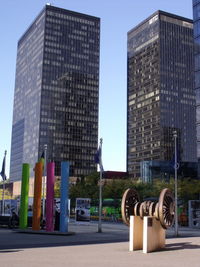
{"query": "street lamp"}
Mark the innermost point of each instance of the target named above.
(175, 182)
(4, 178)
(100, 188)
(44, 182)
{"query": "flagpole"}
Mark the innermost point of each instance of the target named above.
(4, 183)
(44, 183)
(100, 189)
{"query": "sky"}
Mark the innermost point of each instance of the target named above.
(117, 18)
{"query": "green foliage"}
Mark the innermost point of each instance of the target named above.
(188, 189)
(114, 189)
(88, 187)
(57, 188)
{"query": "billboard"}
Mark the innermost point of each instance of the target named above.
(83, 209)
(194, 213)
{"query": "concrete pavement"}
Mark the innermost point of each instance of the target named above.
(89, 248)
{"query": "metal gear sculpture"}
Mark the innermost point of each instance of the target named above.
(129, 200)
(163, 210)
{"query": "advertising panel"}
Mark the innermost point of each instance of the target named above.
(7, 207)
(194, 213)
(57, 206)
(83, 209)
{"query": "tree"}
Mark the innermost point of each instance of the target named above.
(86, 187)
(57, 188)
(188, 189)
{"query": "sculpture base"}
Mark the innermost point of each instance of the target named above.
(135, 233)
(146, 234)
(153, 235)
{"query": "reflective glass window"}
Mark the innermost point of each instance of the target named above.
(196, 12)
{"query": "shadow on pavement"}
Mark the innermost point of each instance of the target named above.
(24, 240)
(10, 251)
(76, 243)
(181, 246)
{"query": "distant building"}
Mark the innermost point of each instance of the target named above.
(115, 175)
(196, 17)
(57, 92)
(151, 170)
(161, 96)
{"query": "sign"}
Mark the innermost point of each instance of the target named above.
(57, 206)
(7, 207)
(10, 205)
(83, 209)
(14, 207)
(194, 213)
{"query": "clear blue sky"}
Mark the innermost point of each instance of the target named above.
(117, 18)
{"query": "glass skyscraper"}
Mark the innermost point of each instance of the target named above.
(160, 94)
(196, 16)
(57, 92)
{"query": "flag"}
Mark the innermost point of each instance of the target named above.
(42, 158)
(3, 175)
(98, 159)
(97, 156)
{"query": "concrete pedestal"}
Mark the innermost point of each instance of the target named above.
(135, 233)
(153, 235)
(146, 234)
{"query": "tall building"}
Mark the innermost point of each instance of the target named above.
(196, 16)
(160, 95)
(57, 92)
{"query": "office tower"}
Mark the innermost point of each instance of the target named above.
(56, 92)
(196, 16)
(161, 97)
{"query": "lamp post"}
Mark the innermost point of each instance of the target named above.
(100, 188)
(175, 182)
(4, 178)
(44, 182)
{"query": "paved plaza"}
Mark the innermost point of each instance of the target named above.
(88, 248)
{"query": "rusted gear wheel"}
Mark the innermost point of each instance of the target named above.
(137, 209)
(142, 210)
(129, 199)
(156, 212)
(152, 207)
(166, 208)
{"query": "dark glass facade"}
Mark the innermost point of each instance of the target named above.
(57, 92)
(161, 95)
(196, 17)
(151, 170)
